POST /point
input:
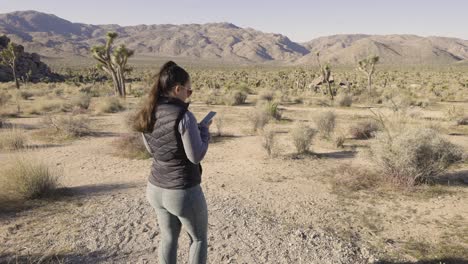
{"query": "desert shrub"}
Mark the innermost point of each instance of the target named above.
(258, 119)
(454, 113)
(92, 91)
(414, 156)
(24, 94)
(268, 140)
(110, 105)
(325, 123)
(82, 101)
(211, 97)
(302, 136)
(69, 126)
(219, 122)
(272, 110)
(12, 139)
(339, 141)
(4, 98)
(58, 92)
(235, 98)
(344, 99)
(364, 129)
(267, 95)
(44, 106)
(30, 179)
(131, 146)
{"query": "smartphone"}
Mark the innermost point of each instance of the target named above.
(208, 117)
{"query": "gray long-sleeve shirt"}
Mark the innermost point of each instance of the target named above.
(195, 138)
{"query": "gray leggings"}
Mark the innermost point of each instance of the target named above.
(175, 208)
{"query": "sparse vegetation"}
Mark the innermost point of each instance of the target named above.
(364, 129)
(131, 146)
(29, 179)
(12, 139)
(66, 127)
(325, 123)
(269, 140)
(302, 136)
(236, 98)
(344, 99)
(415, 156)
(110, 105)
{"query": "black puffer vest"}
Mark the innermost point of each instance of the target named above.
(171, 168)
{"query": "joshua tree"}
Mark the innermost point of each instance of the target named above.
(113, 62)
(326, 73)
(8, 57)
(367, 66)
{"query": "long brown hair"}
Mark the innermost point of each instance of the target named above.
(168, 77)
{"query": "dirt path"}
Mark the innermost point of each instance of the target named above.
(256, 215)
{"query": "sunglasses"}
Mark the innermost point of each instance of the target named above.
(189, 92)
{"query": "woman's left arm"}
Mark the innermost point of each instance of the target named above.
(194, 137)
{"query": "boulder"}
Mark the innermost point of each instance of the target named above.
(28, 66)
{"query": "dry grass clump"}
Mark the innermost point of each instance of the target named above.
(131, 146)
(82, 101)
(236, 98)
(302, 136)
(67, 127)
(454, 113)
(4, 98)
(267, 95)
(364, 129)
(344, 99)
(12, 139)
(25, 94)
(269, 140)
(47, 106)
(110, 105)
(347, 177)
(415, 156)
(210, 97)
(264, 112)
(29, 179)
(325, 123)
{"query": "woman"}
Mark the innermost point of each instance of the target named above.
(177, 144)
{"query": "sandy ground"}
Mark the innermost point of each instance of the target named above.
(261, 209)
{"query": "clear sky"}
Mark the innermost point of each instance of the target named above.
(299, 20)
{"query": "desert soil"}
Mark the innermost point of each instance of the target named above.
(261, 209)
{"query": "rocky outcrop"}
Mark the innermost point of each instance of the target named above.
(29, 66)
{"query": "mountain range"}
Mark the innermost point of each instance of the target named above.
(53, 36)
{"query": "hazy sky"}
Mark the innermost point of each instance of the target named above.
(299, 20)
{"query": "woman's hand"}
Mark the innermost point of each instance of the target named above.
(205, 125)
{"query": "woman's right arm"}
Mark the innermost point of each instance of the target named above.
(195, 138)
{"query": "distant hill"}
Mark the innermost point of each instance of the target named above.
(52, 36)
